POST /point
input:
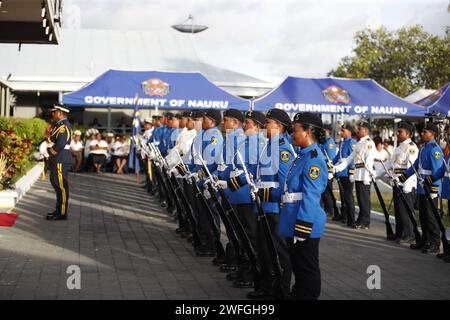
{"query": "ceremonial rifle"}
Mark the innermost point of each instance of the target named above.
(389, 232)
(406, 203)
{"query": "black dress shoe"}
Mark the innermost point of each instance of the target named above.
(336, 218)
(56, 217)
(353, 226)
(425, 248)
(225, 268)
(205, 253)
(163, 204)
(391, 237)
(180, 230)
(242, 284)
(49, 215)
(362, 226)
(434, 248)
(417, 246)
(258, 295)
(232, 276)
(185, 234)
(218, 261)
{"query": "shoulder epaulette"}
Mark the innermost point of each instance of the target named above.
(314, 153)
(412, 143)
(434, 145)
(281, 142)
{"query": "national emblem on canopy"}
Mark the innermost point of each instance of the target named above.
(335, 94)
(155, 87)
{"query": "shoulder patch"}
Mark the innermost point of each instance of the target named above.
(214, 140)
(437, 154)
(412, 151)
(285, 156)
(314, 172)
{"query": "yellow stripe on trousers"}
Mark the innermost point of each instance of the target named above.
(60, 178)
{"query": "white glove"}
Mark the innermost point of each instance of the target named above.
(351, 177)
(206, 194)
(254, 194)
(330, 176)
(43, 149)
(298, 239)
(367, 182)
(433, 195)
(174, 171)
(207, 181)
(222, 184)
(236, 173)
(339, 168)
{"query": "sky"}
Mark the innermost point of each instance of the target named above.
(268, 39)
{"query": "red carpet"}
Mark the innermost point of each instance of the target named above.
(7, 219)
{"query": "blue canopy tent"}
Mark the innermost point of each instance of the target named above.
(166, 90)
(154, 89)
(438, 101)
(363, 97)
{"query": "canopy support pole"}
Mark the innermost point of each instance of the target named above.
(109, 119)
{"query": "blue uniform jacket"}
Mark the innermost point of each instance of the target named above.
(61, 137)
(429, 163)
(329, 147)
(235, 140)
(274, 162)
(212, 144)
(172, 137)
(302, 216)
(446, 180)
(345, 149)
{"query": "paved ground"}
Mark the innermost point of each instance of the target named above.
(126, 248)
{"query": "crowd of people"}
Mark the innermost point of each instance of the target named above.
(99, 152)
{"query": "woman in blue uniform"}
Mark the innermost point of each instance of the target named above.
(302, 219)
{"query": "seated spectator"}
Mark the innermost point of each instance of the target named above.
(381, 155)
(76, 149)
(90, 135)
(98, 149)
(120, 152)
(109, 160)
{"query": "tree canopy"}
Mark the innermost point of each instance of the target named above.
(402, 61)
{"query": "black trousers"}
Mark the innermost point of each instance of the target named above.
(305, 265)
(347, 201)
(403, 224)
(59, 175)
(249, 222)
(327, 199)
(364, 203)
(430, 228)
(266, 256)
(205, 227)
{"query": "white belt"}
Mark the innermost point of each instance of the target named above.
(236, 173)
(426, 172)
(291, 197)
(267, 184)
(67, 147)
(221, 167)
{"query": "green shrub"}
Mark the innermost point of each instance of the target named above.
(18, 138)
